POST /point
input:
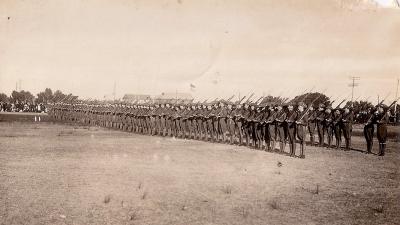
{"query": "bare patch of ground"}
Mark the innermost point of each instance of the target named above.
(63, 174)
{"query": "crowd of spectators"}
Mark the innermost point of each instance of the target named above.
(22, 107)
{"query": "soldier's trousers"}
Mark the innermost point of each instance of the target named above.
(329, 133)
(216, 129)
(200, 128)
(346, 130)
(223, 128)
(301, 136)
(338, 134)
(369, 136)
(190, 128)
(258, 134)
(291, 128)
(247, 128)
(231, 129)
(281, 135)
(381, 134)
(321, 133)
(163, 130)
(239, 131)
(272, 135)
(204, 131)
(175, 130)
(311, 131)
(210, 128)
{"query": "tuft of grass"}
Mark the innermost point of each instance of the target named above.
(227, 189)
(244, 212)
(378, 208)
(273, 204)
(133, 214)
(107, 199)
(144, 195)
(316, 190)
(139, 186)
(279, 164)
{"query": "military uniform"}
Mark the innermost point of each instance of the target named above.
(301, 124)
(320, 118)
(347, 126)
(281, 127)
(291, 129)
(382, 119)
(369, 132)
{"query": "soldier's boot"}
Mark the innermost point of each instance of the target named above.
(294, 149)
(302, 148)
(337, 143)
(381, 149)
(329, 142)
(369, 147)
(281, 148)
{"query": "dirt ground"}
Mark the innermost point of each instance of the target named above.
(68, 174)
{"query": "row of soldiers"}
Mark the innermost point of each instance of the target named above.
(259, 126)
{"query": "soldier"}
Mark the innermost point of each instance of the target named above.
(168, 119)
(320, 118)
(336, 126)
(215, 125)
(210, 126)
(246, 124)
(311, 124)
(327, 125)
(301, 124)
(259, 126)
(162, 115)
(382, 119)
(369, 131)
(347, 124)
(271, 132)
(222, 114)
(291, 129)
(231, 122)
(239, 120)
(280, 124)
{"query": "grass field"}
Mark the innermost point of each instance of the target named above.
(69, 174)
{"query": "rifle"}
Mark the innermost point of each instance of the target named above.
(391, 105)
(230, 98)
(340, 103)
(241, 99)
(250, 97)
(256, 102)
(308, 93)
(308, 108)
(384, 99)
(335, 100)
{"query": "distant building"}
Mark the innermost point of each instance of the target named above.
(136, 98)
(173, 97)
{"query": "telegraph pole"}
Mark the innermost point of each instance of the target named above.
(395, 105)
(352, 85)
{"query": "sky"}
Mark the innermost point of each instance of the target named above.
(221, 47)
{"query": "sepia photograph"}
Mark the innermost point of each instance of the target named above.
(199, 112)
